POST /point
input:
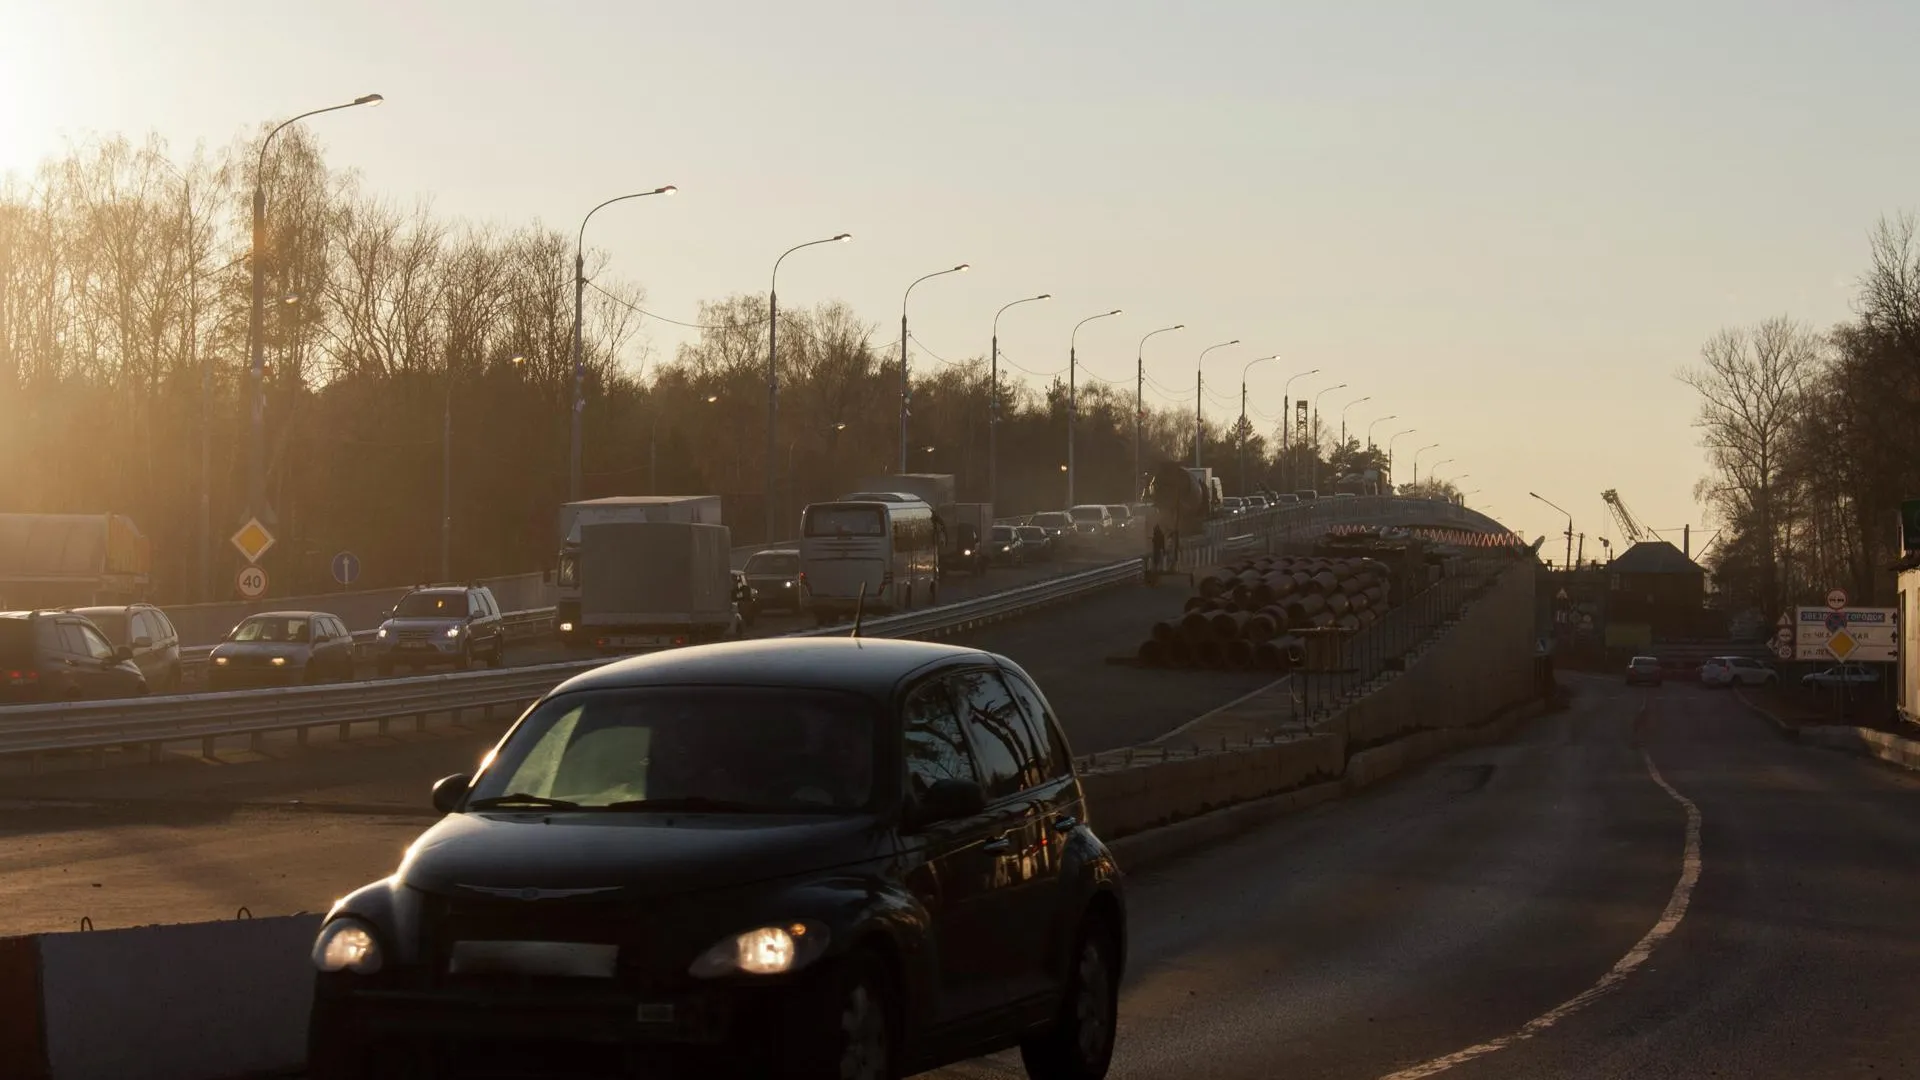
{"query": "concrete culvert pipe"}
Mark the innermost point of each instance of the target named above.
(1339, 604)
(1322, 620)
(1164, 632)
(1210, 653)
(1304, 607)
(1211, 586)
(1349, 623)
(1229, 625)
(1177, 653)
(1194, 603)
(1239, 654)
(1196, 626)
(1260, 626)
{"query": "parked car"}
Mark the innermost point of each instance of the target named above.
(1841, 676)
(1005, 547)
(775, 576)
(279, 647)
(1644, 670)
(147, 632)
(753, 858)
(1036, 542)
(1744, 670)
(61, 656)
(442, 624)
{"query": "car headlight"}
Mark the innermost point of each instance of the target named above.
(786, 584)
(347, 944)
(566, 628)
(380, 633)
(219, 661)
(768, 950)
(278, 661)
(453, 631)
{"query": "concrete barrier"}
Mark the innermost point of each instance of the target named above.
(193, 1001)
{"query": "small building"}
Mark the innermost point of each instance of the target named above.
(1655, 593)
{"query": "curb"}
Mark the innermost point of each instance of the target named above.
(1787, 731)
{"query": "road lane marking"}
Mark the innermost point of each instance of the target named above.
(1669, 920)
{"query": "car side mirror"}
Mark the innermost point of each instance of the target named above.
(122, 654)
(143, 642)
(449, 790)
(951, 800)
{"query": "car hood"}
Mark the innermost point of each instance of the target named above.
(638, 854)
(239, 649)
(438, 623)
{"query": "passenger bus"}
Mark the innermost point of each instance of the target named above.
(883, 541)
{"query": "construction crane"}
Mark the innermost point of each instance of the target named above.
(1629, 527)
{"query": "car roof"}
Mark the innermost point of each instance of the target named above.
(774, 551)
(870, 666)
(286, 615)
(108, 609)
(1637, 659)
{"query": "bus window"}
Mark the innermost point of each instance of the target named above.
(845, 521)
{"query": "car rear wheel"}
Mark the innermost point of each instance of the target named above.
(1079, 1046)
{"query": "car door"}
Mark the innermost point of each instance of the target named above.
(1056, 802)
(960, 879)
(101, 674)
(342, 648)
(144, 639)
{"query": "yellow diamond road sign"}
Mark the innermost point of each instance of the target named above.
(1841, 645)
(253, 540)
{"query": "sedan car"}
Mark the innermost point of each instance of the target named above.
(1736, 670)
(1059, 528)
(279, 647)
(1038, 544)
(1005, 547)
(1841, 675)
(824, 857)
(775, 575)
(1644, 670)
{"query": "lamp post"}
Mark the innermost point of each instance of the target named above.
(770, 513)
(1286, 420)
(905, 390)
(1242, 464)
(1315, 429)
(1200, 396)
(1139, 402)
(256, 331)
(993, 403)
(1390, 441)
(1432, 473)
(1569, 563)
(1416, 460)
(1343, 416)
(1381, 420)
(1073, 370)
(579, 403)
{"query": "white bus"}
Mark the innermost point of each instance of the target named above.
(883, 542)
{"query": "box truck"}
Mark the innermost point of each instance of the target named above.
(654, 584)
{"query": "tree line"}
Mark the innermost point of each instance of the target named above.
(125, 277)
(1805, 431)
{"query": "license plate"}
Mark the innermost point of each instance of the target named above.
(416, 646)
(639, 641)
(552, 959)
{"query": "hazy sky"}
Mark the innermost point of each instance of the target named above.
(1509, 223)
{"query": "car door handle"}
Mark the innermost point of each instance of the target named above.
(999, 845)
(1065, 823)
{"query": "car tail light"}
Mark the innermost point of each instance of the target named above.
(28, 677)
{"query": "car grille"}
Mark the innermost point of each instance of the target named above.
(652, 954)
(418, 635)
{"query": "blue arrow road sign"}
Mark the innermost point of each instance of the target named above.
(346, 568)
(1836, 621)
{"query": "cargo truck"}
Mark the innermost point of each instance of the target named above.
(654, 584)
(618, 509)
(965, 529)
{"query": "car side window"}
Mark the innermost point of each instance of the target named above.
(493, 605)
(1055, 761)
(339, 629)
(162, 626)
(52, 639)
(934, 747)
(1002, 742)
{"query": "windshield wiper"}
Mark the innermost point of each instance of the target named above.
(693, 804)
(522, 799)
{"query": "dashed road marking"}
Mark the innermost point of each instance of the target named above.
(1669, 920)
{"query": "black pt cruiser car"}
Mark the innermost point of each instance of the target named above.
(829, 858)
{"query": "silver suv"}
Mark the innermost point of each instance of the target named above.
(442, 624)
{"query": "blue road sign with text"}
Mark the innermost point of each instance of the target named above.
(346, 568)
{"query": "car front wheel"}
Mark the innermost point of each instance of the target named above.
(1079, 1046)
(847, 1034)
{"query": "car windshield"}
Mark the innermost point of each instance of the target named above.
(1052, 519)
(770, 563)
(111, 621)
(1645, 662)
(845, 521)
(270, 628)
(1088, 513)
(745, 749)
(1032, 532)
(1002, 532)
(431, 605)
(1120, 513)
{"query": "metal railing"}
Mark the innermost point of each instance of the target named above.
(151, 722)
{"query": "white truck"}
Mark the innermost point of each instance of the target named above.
(618, 509)
(654, 584)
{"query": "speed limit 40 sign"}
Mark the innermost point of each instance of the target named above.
(252, 582)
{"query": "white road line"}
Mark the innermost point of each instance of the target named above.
(1669, 919)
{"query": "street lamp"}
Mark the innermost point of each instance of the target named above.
(1390, 441)
(1073, 370)
(768, 512)
(256, 330)
(579, 302)
(905, 391)
(1200, 396)
(1286, 419)
(1316, 429)
(1242, 465)
(1433, 473)
(993, 403)
(1569, 563)
(1381, 420)
(1416, 459)
(1343, 416)
(1139, 402)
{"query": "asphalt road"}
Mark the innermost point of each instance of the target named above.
(1499, 913)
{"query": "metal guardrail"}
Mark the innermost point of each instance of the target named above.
(151, 722)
